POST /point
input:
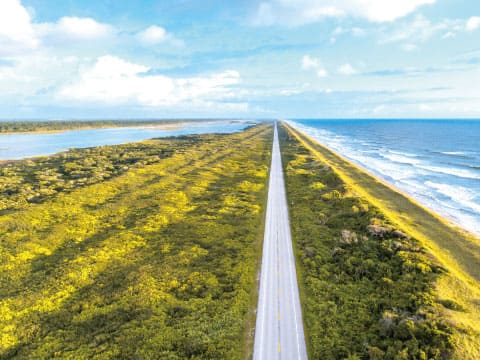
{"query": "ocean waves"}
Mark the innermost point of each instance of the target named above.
(444, 177)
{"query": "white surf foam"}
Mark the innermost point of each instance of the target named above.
(461, 173)
(461, 195)
(401, 158)
(406, 171)
(454, 153)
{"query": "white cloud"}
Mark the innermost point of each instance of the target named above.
(278, 11)
(19, 34)
(420, 29)
(338, 31)
(113, 80)
(384, 10)
(74, 28)
(289, 92)
(473, 23)
(358, 32)
(409, 47)
(354, 31)
(379, 109)
(16, 31)
(310, 63)
(448, 35)
(425, 107)
(298, 12)
(153, 35)
(347, 69)
(31, 77)
(84, 28)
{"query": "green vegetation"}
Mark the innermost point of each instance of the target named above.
(371, 288)
(37, 179)
(61, 125)
(154, 261)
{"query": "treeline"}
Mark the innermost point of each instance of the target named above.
(59, 125)
(156, 263)
(368, 288)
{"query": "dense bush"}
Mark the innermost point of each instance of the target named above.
(157, 262)
(37, 179)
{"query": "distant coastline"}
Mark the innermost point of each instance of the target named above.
(54, 126)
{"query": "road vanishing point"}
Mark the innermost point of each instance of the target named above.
(279, 328)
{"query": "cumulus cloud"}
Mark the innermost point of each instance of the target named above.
(33, 66)
(298, 12)
(74, 28)
(311, 63)
(113, 80)
(473, 23)
(153, 35)
(33, 79)
(19, 33)
(347, 69)
(16, 31)
(84, 28)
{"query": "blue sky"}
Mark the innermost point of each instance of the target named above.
(212, 58)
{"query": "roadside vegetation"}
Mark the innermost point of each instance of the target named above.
(62, 125)
(155, 260)
(371, 287)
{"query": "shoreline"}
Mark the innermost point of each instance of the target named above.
(452, 246)
(441, 217)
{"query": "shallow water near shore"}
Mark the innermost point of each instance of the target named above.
(19, 146)
(437, 162)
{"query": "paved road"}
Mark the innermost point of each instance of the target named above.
(279, 329)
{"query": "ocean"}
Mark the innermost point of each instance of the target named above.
(436, 162)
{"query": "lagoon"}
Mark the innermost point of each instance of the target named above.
(19, 146)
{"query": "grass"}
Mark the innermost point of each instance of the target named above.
(457, 289)
(158, 261)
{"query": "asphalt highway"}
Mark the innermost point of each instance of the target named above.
(279, 329)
